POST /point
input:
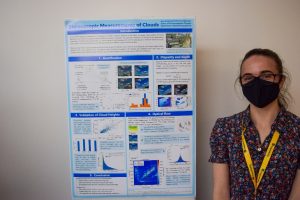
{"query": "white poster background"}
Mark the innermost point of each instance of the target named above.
(131, 98)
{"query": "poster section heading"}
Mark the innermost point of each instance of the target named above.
(131, 114)
(141, 57)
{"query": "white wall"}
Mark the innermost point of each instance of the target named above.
(34, 149)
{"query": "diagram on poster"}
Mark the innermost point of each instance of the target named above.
(131, 100)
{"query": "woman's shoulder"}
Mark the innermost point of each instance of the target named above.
(234, 119)
(288, 124)
(229, 127)
(291, 119)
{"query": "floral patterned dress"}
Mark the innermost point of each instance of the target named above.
(226, 147)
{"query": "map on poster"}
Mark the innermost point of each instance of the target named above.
(131, 105)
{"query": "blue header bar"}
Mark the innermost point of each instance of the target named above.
(110, 31)
(109, 58)
(134, 57)
(131, 114)
(173, 57)
(157, 114)
(89, 115)
(100, 175)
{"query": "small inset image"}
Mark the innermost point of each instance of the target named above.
(141, 70)
(164, 89)
(182, 101)
(179, 40)
(142, 83)
(133, 146)
(164, 102)
(133, 138)
(185, 125)
(133, 128)
(124, 83)
(146, 172)
(180, 89)
(124, 70)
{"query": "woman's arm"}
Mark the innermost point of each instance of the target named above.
(221, 182)
(295, 193)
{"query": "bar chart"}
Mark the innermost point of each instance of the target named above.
(144, 103)
(86, 145)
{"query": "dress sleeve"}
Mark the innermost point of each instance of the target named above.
(218, 143)
(299, 161)
(298, 144)
(298, 164)
(299, 156)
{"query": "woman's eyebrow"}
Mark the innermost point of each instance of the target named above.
(262, 72)
(265, 71)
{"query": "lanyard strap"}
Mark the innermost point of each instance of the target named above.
(263, 167)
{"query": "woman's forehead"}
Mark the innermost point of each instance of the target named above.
(257, 64)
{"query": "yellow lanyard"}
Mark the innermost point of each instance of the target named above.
(263, 167)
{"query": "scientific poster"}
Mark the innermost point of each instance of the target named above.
(132, 107)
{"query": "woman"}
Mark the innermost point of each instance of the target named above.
(256, 153)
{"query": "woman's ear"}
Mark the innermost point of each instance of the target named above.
(282, 80)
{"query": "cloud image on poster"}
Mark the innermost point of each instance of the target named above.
(124, 83)
(141, 70)
(142, 83)
(180, 89)
(164, 89)
(124, 70)
(164, 102)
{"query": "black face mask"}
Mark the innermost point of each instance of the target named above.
(260, 92)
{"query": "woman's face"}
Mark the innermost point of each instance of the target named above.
(258, 65)
(265, 89)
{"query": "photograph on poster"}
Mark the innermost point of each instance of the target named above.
(141, 70)
(164, 89)
(164, 102)
(125, 70)
(124, 83)
(141, 83)
(179, 40)
(133, 146)
(181, 89)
